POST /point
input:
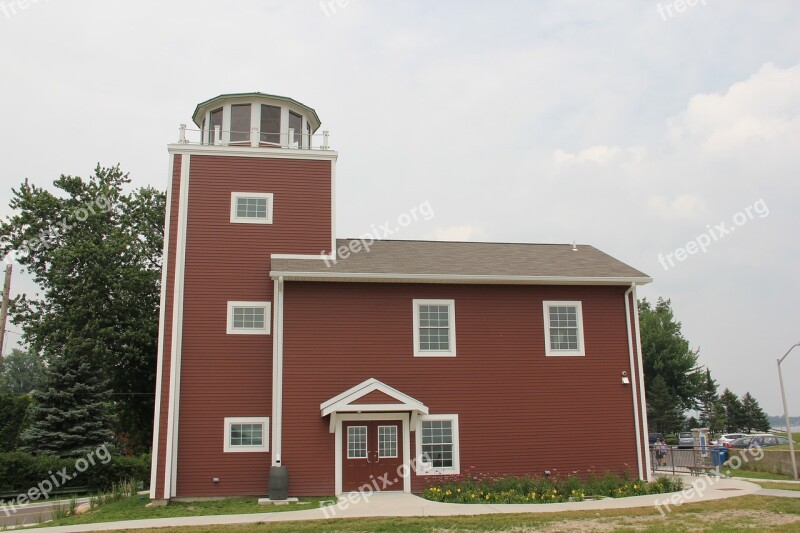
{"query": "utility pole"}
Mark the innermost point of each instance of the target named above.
(786, 414)
(4, 309)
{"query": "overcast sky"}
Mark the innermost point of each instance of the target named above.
(630, 126)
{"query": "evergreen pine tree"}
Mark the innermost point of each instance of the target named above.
(664, 410)
(754, 418)
(716, 418)
(734, 413)
(707, 398)
(70, 415)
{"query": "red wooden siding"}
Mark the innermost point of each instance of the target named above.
(231, 375)
(520, 412)
(376, 397)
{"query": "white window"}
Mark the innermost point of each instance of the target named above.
(434, 328)
(357, 442)
(248, 318)
(437, 445)
(563, 328)
(246, 434)
(251, 207)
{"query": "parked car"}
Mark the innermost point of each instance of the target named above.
(763, 440)
(685, 439)
(653, 437)
(727, 438)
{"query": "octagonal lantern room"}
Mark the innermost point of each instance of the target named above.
(258, 120)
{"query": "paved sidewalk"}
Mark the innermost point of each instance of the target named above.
(397, 504)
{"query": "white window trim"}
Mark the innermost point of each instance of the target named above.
(422, 469)
(267, 318)
(270, 202)
(229, 421)
(451, 325)
(581, 351)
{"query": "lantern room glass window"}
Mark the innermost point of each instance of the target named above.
(296, 123)
(215, 120)
(240, 123)
(270, 124)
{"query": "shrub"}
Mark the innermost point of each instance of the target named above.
(21, 471)
(480, 488)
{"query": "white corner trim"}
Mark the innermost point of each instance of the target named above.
(451, 315)
(642, 400)
(266, 306)
(333, 209)
(161, 316)
(336, 421)
(632, 371)
(171, 466)
(277, 375)
(548, 350)
(227, 447)
(420, 462)
(268, 196)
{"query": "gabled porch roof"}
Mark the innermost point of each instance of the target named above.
(361, 399)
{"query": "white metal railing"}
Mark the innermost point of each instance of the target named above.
(254, 139)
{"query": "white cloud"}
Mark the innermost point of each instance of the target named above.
(763, 108)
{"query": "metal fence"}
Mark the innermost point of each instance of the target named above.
(687, 459)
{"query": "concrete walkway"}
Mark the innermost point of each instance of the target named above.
(395, 504)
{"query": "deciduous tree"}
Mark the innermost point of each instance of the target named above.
(95, 251)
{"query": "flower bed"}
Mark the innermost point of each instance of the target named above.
(481, 488)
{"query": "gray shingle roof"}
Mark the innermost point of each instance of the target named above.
(466, 262)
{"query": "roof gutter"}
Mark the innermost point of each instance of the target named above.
(458, 278)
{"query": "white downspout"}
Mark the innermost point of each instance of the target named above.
(633, 381)
(277, 374)
(641, 380)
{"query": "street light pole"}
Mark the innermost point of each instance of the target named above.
(786, 413)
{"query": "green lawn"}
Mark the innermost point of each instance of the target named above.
(778, 485)
(134, 509)
(752, 474)
(755, 513)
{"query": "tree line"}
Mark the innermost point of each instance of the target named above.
(90, 333)
(676, 383)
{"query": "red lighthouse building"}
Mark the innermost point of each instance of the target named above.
(399, 361)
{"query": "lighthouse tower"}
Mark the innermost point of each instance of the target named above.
(253, 181)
